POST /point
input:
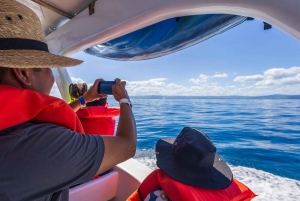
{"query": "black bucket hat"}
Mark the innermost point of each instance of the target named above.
(191, 158)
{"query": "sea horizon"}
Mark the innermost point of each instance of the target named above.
(275, 96)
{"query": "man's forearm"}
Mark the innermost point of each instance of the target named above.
(127, 126)
(122, 146)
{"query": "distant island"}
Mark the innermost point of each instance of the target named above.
(276, 96)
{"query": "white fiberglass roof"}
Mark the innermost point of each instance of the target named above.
(51, 20)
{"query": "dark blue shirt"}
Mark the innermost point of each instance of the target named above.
(42, 161)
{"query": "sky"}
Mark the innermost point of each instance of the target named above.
(245, 60)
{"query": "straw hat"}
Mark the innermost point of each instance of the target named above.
(22, 40)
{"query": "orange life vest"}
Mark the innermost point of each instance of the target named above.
(24, 105)
(99, 119)
(178, 191)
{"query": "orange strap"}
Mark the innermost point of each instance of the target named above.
(24, 105)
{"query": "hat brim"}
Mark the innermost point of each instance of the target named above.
(220, 176)
(34, 59)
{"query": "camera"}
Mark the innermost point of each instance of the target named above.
(105, 87)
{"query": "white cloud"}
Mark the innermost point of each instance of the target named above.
(251, 78)
(219, 75)
(282, 81)
(278, 73)
(176, 86)
(156, 86)
(195, 81)
(273, 76)
(55, 91)
(172, 89)
(201, 79)
(77, 80)
(204, 78)
(151, 82)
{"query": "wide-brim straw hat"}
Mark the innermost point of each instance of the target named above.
(22, 40)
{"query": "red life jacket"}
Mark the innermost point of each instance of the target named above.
(24, 105)
(99, 119)
(178, 191)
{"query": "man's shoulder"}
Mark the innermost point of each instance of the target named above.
(30, 127)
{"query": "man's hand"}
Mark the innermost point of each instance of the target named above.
(92, 93)
(119, 90)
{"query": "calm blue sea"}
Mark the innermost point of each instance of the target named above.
(261, 136)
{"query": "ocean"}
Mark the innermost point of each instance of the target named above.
(258, 138)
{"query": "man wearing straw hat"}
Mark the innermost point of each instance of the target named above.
(42, 149)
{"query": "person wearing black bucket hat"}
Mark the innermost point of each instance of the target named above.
(191, 158)
(190, 170)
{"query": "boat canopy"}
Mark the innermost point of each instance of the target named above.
(165, 37)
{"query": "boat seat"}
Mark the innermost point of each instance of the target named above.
(101, 189)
